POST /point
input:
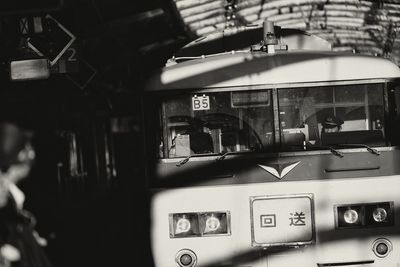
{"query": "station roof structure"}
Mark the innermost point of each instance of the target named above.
(364, 26)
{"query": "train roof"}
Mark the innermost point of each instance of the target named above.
(259, 68)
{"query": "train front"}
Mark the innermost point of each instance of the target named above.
(275, 159)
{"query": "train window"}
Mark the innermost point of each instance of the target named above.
(304, 112)
(217, 122)
(395, 131)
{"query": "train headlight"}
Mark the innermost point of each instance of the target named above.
(212, 224)
(193, 224)
(182, 226)
(350, 216)
(379, 214)
(376, 214)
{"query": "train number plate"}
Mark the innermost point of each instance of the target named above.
(200, 102)
(282, 220)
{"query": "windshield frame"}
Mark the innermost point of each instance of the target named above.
(277, 127)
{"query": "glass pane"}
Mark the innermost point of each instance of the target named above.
(395, 88)
(214, 123)
(310, 117)
(346, 93)
(324, 95)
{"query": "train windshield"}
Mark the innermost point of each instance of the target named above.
(331, 115)
(217, 122)
(244, 121)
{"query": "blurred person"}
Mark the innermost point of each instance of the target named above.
(19, 242)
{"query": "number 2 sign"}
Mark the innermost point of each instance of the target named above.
(200, 102)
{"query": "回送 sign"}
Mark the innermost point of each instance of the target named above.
(282, 220)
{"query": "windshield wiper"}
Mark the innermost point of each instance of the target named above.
(223, 155)
(370, 149)
(180, 163)
(333, 151)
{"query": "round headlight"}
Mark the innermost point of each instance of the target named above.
(350, 216)
(212, 223)
(183, 225)
(379, 214)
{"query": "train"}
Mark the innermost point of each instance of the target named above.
(242, 169)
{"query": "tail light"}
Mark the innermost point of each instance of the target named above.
(186, 258)
(365, 215)
(382, 247)
(199, 224)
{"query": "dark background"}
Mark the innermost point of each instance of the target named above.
(97, 214)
